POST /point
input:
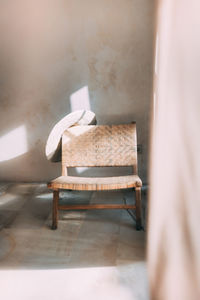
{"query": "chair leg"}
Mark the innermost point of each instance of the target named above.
(138, 208)
(55, 209)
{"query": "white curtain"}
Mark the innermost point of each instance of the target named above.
(174, 214)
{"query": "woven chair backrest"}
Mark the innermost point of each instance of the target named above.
(100, 146)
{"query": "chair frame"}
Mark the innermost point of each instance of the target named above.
(122, 136)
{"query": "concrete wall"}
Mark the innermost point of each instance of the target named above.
(51, 49)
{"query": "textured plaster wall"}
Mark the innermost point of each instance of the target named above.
(51, 49)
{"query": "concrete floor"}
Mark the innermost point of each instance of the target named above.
(92, 254)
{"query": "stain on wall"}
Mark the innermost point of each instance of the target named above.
(51, 49)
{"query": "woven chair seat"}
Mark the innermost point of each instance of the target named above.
(95, 183)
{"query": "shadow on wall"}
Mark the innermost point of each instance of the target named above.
(54, 50)
(14, 144)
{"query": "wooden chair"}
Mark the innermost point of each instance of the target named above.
(98, 146)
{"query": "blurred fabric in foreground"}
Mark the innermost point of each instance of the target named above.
(174, 217)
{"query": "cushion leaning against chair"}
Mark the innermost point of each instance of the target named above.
(98, 146)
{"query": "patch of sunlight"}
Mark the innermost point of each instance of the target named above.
(80, 170)
(11, 201)
(80, 99)
(13, 144)
(81, 283)
(45, 196)
(7, 199)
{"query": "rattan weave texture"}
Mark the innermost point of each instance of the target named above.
(100, 146)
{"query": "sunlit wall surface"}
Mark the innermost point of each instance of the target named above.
(52, 49)
(13, 144)
(80, 99)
